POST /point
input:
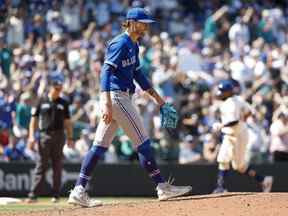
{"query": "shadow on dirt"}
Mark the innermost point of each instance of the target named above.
(211, 196)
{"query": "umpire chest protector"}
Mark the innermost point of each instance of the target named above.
(51, 113)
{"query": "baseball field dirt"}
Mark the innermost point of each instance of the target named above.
(228, 204)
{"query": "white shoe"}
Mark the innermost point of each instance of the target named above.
(166, 191)
(79, 196)
(55, 200)
(267, 184)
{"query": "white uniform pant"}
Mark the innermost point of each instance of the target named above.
(233, 148)
(124, 115)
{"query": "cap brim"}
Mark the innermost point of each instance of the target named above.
(57, 83)
(146, 21)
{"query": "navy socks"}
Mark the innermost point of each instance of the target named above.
(146, 159)
(221, 178)
(148, 162)
(89, 163)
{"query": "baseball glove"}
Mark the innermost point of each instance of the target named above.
(168, 115)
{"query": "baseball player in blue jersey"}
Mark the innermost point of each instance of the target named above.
(121, 68)
(234, 111)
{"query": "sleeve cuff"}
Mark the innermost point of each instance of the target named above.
(111, 63)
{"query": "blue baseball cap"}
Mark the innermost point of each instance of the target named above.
(57, 79)
(139, 15)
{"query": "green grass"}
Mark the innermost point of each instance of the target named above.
(44, 204)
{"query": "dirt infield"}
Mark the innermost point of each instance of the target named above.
(229, 204)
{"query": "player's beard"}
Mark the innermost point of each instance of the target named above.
(142, 34)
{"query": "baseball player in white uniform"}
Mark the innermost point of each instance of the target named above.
(234, 110)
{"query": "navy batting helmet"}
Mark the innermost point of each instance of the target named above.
(236, 86)
(223, 87)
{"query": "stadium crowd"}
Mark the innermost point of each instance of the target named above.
(194, 44)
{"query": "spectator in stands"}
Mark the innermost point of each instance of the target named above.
(239, 33)
(7, 116)
(265, 27)
(37, 29)
(124, 147)
(79, 116)
(15, 28)
(23, 111)
(210, 148)
(210, 28)
(257, 146)
(55, 25)
(279, 137)
(110, 157)
(71, 154)
(188, 153)
(6, 56)
(14, 151)
(83, 144)
(71, 13)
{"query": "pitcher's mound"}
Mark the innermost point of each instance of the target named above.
(228, 204)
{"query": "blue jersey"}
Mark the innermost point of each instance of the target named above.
(121, 66)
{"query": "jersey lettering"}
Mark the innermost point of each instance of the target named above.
(129, 61)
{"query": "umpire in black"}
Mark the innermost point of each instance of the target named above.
(51, 116)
